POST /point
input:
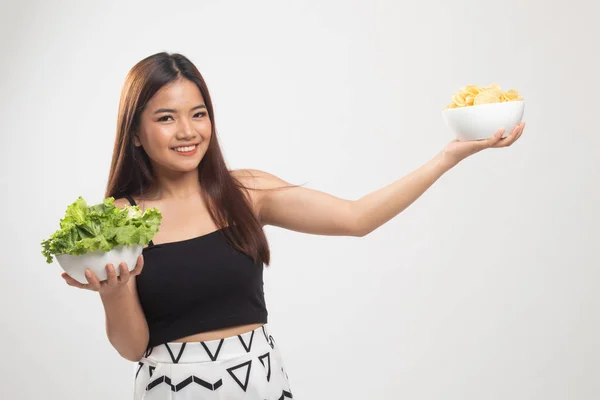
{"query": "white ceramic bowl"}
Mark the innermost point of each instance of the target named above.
(75, 266)
(483, 120)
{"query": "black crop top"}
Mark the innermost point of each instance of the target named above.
(198, 285)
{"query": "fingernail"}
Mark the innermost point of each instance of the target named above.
(88, 274)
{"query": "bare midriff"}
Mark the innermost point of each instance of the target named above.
(220, 333)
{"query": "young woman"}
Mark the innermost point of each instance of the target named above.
(195, 318)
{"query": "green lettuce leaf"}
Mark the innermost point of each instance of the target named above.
(100, 227)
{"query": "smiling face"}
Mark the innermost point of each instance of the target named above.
(175, 128)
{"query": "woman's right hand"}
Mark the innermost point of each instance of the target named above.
(113, 284)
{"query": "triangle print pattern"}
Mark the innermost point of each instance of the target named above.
(267, 364)
(237, 372)
(213, 354)
(286, 395)
(140, 365)
(268, 337)
(176, 359)
(241, 381)
(247, 347)
(148, 352)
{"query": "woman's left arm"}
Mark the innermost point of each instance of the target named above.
(311, 211)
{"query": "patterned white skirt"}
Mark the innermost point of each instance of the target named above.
(247, 366)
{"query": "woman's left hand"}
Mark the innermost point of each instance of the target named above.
(457, 150)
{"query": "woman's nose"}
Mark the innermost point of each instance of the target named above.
(186, 129)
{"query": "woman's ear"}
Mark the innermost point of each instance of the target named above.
(136, 140)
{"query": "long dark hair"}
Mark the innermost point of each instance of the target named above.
(131, 171)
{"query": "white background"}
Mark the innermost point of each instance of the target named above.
(485, 288)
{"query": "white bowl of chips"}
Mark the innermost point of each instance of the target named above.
(477, 113)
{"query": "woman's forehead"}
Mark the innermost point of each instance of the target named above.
(178, 94)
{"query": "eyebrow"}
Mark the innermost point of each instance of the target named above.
(170, 110)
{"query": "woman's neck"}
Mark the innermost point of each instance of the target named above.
(175, 185)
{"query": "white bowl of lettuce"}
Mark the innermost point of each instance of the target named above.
(90, 237)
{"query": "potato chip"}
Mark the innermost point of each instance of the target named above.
(471, 95)
(488, 96)
(459, 100)
(513, 95)
(472, 90)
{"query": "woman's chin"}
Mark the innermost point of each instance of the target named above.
(191, 167)
(178, 167)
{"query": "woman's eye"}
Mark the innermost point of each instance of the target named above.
(197, 115)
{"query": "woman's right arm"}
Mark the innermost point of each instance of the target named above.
(126, 325)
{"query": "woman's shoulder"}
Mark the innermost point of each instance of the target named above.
(246, 175)
(257, 179)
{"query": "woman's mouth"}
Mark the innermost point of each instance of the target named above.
(186, 150)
